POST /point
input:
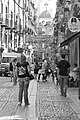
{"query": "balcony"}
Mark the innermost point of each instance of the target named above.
(32, 5)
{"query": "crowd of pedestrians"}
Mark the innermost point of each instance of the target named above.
(20, 71)
(44, 71)
(63, 73)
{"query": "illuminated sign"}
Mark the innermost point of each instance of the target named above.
(74, 24)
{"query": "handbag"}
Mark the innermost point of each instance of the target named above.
(31, 77)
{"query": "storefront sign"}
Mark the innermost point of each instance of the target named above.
(74, 24)
(64, 51)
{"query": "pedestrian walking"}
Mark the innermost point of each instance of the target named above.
(11, 70)
(75, 74)
(23, 78)
(56, 77)
(44, 65)
(47, 71)
(42, 71)
(39, 73)
(15, 71)
(52, 68)
(36, 69)
(63, 71)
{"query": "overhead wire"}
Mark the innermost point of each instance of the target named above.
(18, 5)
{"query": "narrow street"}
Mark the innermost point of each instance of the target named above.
(40, 30)
(45, 102)
(52, 106)
(9, 109)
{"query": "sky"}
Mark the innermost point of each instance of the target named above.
(51, 6)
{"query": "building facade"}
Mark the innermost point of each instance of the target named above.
(68, 39)
(17, 21)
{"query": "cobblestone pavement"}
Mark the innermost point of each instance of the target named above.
(9, 109)
(51, 106)
(47, 103)
(8, 97)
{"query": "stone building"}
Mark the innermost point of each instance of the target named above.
(17, 21)
(68, 39)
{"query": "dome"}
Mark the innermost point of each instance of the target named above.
(45, 14)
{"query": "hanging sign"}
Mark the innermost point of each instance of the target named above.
(74, 24)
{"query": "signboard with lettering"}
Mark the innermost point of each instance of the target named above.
(74, 24)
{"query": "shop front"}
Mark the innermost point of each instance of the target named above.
(73, 44)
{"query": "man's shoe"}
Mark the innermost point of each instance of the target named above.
(79, 97)
(65, 95)
(26, 104)
(61, 94)
(45, 80)
(19, 103)
(15, 84)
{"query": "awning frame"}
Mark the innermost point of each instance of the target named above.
(71, 38)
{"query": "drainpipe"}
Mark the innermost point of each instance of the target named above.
(18, 24)
(8, 30)
(23, 24)
(14, 24)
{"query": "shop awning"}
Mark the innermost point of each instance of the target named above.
(71, 38)
(0, 22)
(10, 28)
(4, 25)
(11, 54)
